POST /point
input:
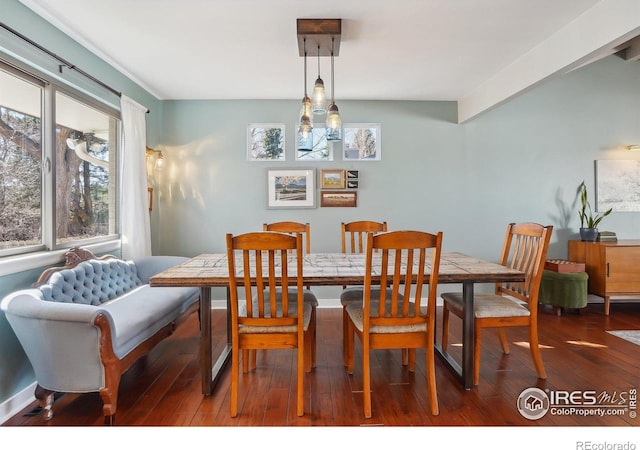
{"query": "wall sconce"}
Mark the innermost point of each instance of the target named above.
(159, 162)
(159, 157)
(633, 148)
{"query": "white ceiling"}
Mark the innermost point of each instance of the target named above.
(476, 52)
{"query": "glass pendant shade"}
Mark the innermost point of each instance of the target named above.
(319, 97)
(305, 109)
(305, 135)
(333, 124)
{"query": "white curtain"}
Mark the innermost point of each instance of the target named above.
(135, 228)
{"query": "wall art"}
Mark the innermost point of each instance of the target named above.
(322, 150)
(361, 142)
(291, 188)
(265, 142)
(618, 185)
(339, 199)
(332, 179)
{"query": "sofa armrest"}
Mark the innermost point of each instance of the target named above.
(44, 328)
(149, 266)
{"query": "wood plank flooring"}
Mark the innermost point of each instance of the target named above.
(163, 389)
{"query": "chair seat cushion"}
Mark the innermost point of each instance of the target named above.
(308, 296)
(356, 313)
(487, 305)
(242, 312)
(355, 294)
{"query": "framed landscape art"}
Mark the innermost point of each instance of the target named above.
(332, 179)
(339, 199)
(291, 188)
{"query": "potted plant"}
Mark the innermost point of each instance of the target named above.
(588, 219)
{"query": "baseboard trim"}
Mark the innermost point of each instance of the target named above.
(17, 403)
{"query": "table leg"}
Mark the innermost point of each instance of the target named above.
(468, 332)
(464, 372)
(210, 373)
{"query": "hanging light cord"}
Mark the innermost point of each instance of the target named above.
(304, 43)
(318, 61)
(332, 96)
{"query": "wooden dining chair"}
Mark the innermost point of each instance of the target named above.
(513, 304)
(354, 234)
(304, 231)
(402, 321)
(354, 239)
(263, 321)
(294, 228)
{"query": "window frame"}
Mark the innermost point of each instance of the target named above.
(49, 252)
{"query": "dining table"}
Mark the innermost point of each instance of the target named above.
(210, 270)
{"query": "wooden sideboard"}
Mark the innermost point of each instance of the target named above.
(613, 267)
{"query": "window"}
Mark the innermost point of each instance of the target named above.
(57, 188)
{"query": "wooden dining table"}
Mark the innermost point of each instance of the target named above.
(332, 269)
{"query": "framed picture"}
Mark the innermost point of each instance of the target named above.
(361, 142)
(618, 185)
(352, 174)
(339, 199)
(352, 184)
(291, 188)
(332, 179)
(265, 142)
(322, 150)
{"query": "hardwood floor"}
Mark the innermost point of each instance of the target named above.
(163, 389)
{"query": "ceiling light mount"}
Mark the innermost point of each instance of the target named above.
(319, 34)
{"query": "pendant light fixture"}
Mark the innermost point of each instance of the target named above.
(323, 37)
(305, 129)
(319, 95)
(333, 122)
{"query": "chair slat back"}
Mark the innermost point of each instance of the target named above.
(404, 256)
(266, 264)
(293, 228)
(355, 233)
(525, 249)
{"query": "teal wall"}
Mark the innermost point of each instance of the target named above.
(521, 161)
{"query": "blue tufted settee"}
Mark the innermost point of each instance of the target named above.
(86, 323)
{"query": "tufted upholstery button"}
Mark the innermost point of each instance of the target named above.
(92, 282)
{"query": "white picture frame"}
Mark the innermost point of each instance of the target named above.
(291, 188)
(266, 142)
(322, 149)
(618, 185)
(361, 142)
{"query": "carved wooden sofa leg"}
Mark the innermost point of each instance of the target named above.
(45, 398)
(113, 368)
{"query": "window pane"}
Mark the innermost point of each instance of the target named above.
(85, 174)
(20, 162)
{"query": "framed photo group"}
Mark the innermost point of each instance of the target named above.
(295, 188)
(361, 142)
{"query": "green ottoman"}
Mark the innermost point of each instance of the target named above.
(563, 290)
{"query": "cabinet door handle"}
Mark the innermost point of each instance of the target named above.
(607, 270)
